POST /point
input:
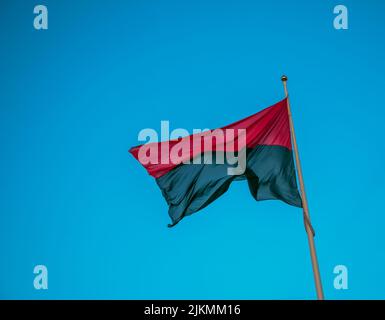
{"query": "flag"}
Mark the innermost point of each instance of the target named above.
(195, 170)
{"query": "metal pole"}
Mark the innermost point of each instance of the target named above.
(306, 216)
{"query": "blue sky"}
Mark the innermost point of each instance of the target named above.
(74, 97)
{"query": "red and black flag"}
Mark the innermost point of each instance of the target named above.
(194, 170)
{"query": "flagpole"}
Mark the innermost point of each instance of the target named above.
(308, 227)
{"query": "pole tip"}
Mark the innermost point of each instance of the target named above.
(284, 78)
